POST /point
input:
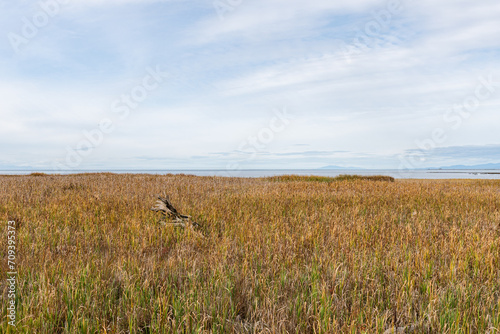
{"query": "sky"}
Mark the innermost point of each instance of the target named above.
(240, 84)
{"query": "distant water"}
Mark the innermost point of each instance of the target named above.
(407, 174)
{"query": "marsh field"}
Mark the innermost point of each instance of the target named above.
(272, 255)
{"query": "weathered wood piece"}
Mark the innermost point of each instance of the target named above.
(171, 216)
(401, 330)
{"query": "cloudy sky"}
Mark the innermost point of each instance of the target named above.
(124, 84)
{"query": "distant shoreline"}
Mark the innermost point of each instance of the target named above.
(256, 173)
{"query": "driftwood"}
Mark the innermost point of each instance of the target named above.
(402, 330)
(169, 213)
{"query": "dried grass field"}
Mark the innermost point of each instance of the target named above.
(272, 255)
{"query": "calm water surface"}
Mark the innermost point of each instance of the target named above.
(408, 174)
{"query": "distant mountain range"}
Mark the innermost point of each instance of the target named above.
(483, 166)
